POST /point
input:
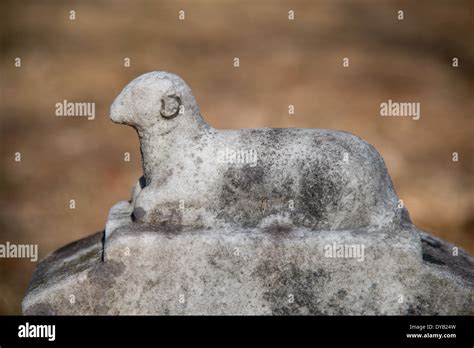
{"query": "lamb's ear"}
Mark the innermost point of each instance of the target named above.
(170, 106)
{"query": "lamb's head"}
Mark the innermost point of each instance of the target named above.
(158, 101)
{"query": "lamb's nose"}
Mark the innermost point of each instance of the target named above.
(117, 111)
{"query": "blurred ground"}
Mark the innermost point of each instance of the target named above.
(282, 62)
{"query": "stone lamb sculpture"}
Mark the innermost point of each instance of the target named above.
(233, 222)
(196, 176)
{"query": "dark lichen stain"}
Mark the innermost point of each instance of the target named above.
(66, 268)
(243, 188)
(241, 180)
(55, 268)
(72, 248)
(224, 260)
(420, 306)
(151, 285)
(168, 218)
(100, 309)
(440, 253)
(104, 275)
(317, 189)
(341, 294)
(431, 259)
(321, 190)
(303, 284)
(241, 193)
(40, 309)
(278, 229)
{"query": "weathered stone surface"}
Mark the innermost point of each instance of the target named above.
(253, 272)
(311, 226)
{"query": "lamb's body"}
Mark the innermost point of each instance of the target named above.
(316, 178)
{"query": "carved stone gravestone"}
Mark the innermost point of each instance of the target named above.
(252, 221)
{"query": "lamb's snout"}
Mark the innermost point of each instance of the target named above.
(118, 113)
(123, 109)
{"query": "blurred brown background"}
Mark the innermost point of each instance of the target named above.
(282, 62)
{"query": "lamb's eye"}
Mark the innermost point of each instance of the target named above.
(170, 106)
